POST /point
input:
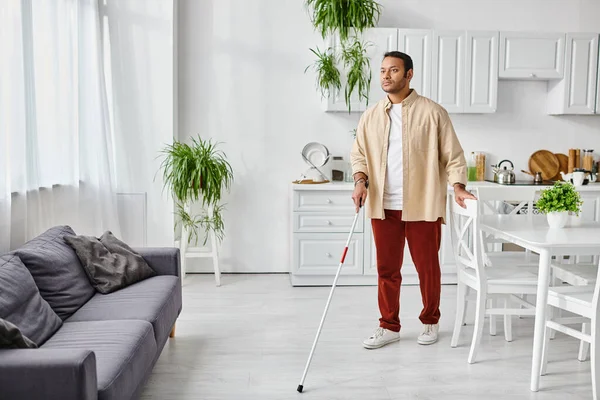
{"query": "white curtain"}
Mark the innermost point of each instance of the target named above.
(56, 147)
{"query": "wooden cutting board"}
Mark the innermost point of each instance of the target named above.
(546, 162)
(563, 161)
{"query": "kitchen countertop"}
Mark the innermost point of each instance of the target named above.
(591, 187)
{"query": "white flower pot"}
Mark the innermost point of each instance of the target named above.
(557, 219)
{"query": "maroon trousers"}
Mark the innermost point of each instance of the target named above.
(424, 243)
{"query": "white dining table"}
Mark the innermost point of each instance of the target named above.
(533, 233)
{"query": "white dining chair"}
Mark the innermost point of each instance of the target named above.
(583, 301)
(499, 282)
(506, 200)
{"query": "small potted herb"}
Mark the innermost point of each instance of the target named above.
(557, 202)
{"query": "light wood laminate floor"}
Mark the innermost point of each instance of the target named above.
(250, 339)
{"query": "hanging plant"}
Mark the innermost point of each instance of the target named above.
(346, 19)
(342, 16)
(328, 74)
(358, 71)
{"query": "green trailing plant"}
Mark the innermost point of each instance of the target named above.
(343, 16)
(197, 172)
(562, 196)
(358, 71)
(328, 74)
(346, 19)
(205, 221)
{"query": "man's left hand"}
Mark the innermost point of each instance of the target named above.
(461, 194)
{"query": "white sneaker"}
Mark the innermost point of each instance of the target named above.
(429, 335)
(380, 338)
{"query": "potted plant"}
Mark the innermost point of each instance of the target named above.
(197, 172)
(346, 19)
(557, 202)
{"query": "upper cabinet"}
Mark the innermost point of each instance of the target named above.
(577, 93)
(465, 71)
(417, 43)
(460, 69)
(448, 77)
(481, 72)
(532, 55)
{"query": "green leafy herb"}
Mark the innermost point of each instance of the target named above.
(562, 196)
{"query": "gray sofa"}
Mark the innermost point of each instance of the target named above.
(90, 345)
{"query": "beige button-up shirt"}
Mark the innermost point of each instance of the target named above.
(432, 157)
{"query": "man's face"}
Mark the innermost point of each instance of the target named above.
(392, 75)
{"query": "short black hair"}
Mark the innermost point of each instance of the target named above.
(408, 64)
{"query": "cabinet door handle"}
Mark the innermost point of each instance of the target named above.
(328, 201)
(532, 75)
(328, 222)
(328, 254)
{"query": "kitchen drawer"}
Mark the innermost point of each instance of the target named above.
(323, 200)
(320, 254)
(326, 222)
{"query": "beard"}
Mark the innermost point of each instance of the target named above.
(394, 87)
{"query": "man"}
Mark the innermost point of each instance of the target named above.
(404, 156)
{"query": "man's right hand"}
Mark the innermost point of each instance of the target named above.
(359, 195)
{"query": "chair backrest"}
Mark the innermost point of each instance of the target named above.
(466, 237)
(495, 199)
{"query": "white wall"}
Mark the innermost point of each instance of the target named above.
(142, 75)
(242, 81)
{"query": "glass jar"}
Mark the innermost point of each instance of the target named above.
(338, 169)
(588, 160)
(479, 166)
(348, 176)
(471, 168)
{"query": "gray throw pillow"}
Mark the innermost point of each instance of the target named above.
(57, 271)
(12, 338)
(21, 303)
(110, 263)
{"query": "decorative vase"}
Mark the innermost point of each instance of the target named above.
(557, 219)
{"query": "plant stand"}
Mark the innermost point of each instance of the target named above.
(199, 252)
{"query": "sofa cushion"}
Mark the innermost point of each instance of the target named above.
(21, 303)
(109, 263)
(125, 352)
(156, 300)
(11, 337)
(57, 271)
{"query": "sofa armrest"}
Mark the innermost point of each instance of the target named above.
(163, 260)
(42, 374)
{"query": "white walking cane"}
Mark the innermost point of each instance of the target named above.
(301, 385)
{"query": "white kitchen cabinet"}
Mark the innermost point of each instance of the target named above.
(448, 75)
(532, 55)
(320, 221)
(481, 72)
(378, 40)
(465, 71)
(417, 44)
(577, 92)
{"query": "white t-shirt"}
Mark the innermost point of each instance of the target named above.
(392, 193)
